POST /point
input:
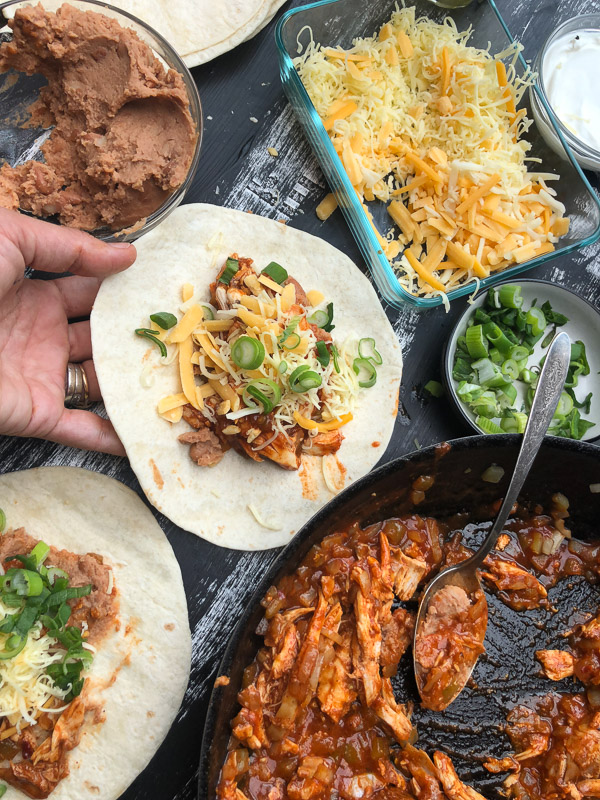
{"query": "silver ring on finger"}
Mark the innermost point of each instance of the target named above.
(77, 389)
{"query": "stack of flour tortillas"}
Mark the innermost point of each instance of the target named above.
(201, 30)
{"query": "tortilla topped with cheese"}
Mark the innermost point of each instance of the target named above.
(238, 503)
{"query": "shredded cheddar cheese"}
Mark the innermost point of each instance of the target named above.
(420, 118)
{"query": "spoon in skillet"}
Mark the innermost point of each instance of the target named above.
(452, 617)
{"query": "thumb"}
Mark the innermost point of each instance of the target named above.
(54, 248)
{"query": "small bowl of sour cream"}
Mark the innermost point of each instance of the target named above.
(568, 70)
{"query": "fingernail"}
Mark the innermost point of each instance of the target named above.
(120, 245)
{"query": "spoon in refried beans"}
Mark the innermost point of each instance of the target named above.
(452, 618)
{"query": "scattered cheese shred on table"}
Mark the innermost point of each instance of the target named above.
(430, 125)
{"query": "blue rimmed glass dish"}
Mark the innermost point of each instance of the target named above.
(337, 23)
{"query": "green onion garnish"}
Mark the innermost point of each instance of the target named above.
(207, 311)
(367, 349)
(276, 272)
(231, 267)
(266, 391)
(40, 593)
(494, 354)
(329, 326)
(336, 358)
(497, 337)
(367, 374)
(323, 356)
(148, 333)
(477, 344)
(164, 320)
(282, 368)
(291, 341)
(537, 320)
(320, 318)
(247, 353)
(434, 388)
(303, 378)
(2, 520)
(510, 296)
(3, 788)
(288, 331)
(487, 426)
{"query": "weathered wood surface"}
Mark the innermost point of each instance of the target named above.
(245, 112)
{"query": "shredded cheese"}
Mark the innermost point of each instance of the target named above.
(25, 688)
(419, 117)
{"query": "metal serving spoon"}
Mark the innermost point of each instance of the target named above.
(464, 575)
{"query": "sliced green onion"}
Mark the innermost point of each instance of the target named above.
(148, 333)
(303, 378)
(510, 368)
(336, 358)
(2, 520)
(207, 311)
(3, 789)
(291, 341)
(40, 553)
(247, 353)
(486, 371)
(26, 583)
(469, 391)
(434, 388)
(495, 356)
(487, 426)
(329, 326)
(282, 368)
(527, 376)
(537, 320)
(323, 356)
(276, 272)
(477, 344)
(366, 349)
(565, 405)
(320, 317)
(496, 336)
(518, 352)
(164, 320)
(510, 296)
(289, 329)
(266, 391)
(367, 374)
(13, 646)
(509, 390)
(553, 317)
(486, 405)
(231, 267)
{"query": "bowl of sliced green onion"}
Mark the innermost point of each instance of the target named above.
(494, 356)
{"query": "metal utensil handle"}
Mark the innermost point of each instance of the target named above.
(547, 394)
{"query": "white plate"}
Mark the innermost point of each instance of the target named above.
(583, 324)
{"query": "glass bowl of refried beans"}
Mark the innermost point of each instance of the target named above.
(100, 120)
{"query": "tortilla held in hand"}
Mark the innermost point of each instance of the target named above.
(249, 370)
(94, 662)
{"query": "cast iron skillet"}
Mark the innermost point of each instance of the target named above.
(472, 728)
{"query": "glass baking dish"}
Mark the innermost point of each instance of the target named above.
(337, 23)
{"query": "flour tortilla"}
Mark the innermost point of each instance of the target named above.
(82, 511)
(201, 30)
(212, 502)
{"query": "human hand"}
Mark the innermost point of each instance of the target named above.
(36, 339)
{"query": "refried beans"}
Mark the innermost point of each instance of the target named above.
(123, 137)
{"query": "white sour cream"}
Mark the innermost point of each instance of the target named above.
(571, 73)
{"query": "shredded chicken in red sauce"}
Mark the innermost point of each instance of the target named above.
(319, 718)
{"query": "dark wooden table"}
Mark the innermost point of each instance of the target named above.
(245, 112)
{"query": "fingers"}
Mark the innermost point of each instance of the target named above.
(87, 431)
(80, 341)
(90, 373)
(54, 248)
(78, 294)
